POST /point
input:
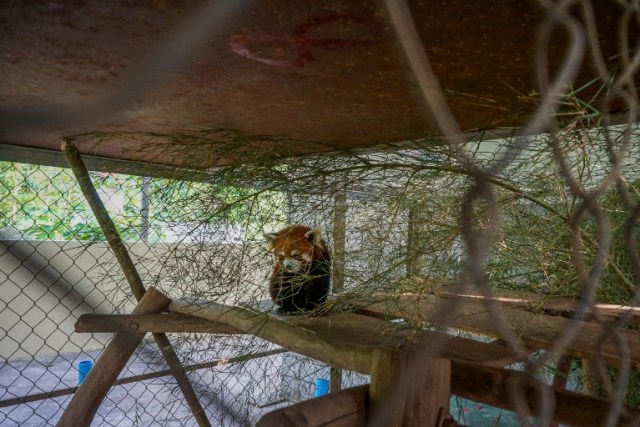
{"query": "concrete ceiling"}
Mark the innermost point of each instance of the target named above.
(310, 76)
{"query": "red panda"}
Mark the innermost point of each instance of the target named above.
(300, 279)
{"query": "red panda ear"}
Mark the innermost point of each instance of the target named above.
(270, 237)
(313, 236)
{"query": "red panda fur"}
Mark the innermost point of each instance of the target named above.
(300, 278)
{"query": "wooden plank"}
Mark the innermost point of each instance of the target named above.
(85, 402)
(534, 330)
(547, 304)
(492, 387)
(409, 399)
(352, 336)
(356, 329)
(460, 349)
(346, 408)
(160, 322)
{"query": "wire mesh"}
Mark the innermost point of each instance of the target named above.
(552, 210)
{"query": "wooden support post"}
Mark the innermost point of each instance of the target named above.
(133, 278)
(94, 388)
(339, 253)
(346, 408)
(409, 399)
(560, 378)
(591, 381)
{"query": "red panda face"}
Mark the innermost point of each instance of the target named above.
(294, 246)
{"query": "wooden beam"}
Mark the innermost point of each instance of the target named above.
(355, 329)
(491, 386)
(352, 336)
(547, 304)
(535, 330)
(346, 408)
(85, 402)
(281, 332)
(164, 322)
(45, 157)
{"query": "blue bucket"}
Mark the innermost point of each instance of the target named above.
(322, 387)
(83, 369)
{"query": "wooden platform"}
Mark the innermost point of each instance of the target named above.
(392, 340)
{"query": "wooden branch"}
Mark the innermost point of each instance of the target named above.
(131, 274)
(165, 322)
(346, 408)
(281, 332)
(102, 215)
(85, 402)
(491, 386)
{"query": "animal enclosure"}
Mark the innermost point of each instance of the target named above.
(517, 236)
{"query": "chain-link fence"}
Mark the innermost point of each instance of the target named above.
(552, 210)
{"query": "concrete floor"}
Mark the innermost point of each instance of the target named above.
(233, 395)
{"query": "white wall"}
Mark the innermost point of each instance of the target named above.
(46, 285)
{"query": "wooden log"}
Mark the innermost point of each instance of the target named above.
(411, 399)
(72, 154)
(346, 408)
(344, 340)
(491, 386)
(279, 331)
(356, 329)
(94, 388)
(164, 322)
(546, 304)
(534, 329)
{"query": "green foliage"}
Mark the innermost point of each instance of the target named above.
(46, 203)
